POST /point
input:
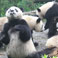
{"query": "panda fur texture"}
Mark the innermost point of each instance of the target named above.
(21, 45)
(13, 20)
(52, 42)
(49, 10)
(3, 20)
(14, 12)
(53, 29)
(35, 23)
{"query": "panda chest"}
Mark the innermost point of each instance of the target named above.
(16, 48)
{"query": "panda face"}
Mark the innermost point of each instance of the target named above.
(14, 12)
(39, 25)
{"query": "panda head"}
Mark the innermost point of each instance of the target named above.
(14, 12)
(39, 26)
(41, 11)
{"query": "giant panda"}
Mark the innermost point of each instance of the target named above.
(53, 42)
(20, 41)
(35, 23)
(48, 11)
(14, 15)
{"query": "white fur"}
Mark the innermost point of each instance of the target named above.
(18, 14)
(45, 8)
(57, 26)
(31, 20)
(3, 20)
(18, 49)
(52, 42)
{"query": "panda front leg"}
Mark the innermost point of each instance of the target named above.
(35, 43)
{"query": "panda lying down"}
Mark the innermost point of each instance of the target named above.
(21, 45)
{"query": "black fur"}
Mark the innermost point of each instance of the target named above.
(50, 14)
(24, 32)
(41, 53)
(22, 9)
(52, 28)
(38, 20)
(7, 26)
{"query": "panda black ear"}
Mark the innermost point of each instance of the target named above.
(38, 10)
(38, 20)
(22, 9)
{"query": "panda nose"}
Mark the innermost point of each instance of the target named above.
(11, 10)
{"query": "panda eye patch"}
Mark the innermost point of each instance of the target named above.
(38, 20)
(16, 10)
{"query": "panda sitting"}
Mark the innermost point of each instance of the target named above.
(14, 15)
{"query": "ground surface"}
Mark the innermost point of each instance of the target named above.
(41, 38)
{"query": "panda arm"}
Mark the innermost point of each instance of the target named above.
(4, 35)
(6, 28)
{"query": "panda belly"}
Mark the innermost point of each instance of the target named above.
(14, 49)
(18, 49)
